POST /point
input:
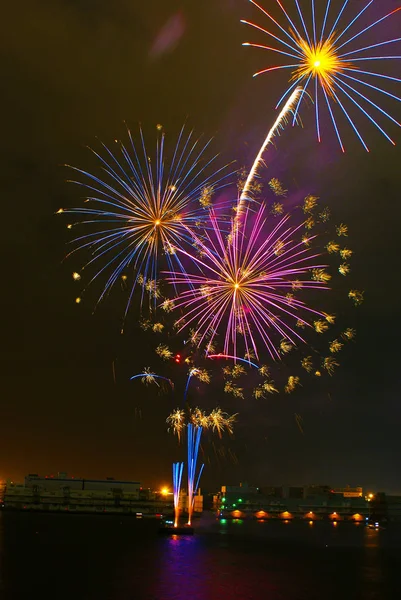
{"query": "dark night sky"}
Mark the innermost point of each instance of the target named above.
(74, 70)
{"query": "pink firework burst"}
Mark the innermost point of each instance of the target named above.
(243, 286)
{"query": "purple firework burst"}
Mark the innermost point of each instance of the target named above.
(243, 285)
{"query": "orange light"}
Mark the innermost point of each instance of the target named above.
(164, 491)
(261, 514)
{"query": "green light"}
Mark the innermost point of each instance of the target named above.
(223, 499)
(239, 499)
(234, 505)
(222, 506)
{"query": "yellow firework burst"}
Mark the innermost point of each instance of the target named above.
(310, 203)
(335, 346)
(344, 269)
(356, 296)
(320, 275)
(330, 364)
(269, 387)
(285, 346)
(319, 61)
(307, 364)
(320, 326)
(164, 352)
(277, 209)
(277, 187)
(346, 253)
(348, 334)
(176, 421)
(342, 229)
(332, 247)
(232, 388)
(292, 383)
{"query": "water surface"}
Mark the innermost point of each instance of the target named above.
(107, 557)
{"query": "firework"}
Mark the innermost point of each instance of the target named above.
(231, 388)
(348, 334)
(335, 346)
(342, 229)
(281, 119)
(356, 296)
(202, 374)
(307, 364)
(139, 211)
(269, 387)
(332, 247)
(299, 421)
(148, 377)
(164, 352)
(234, 358)
(292, 383)
(198, 418)
(194, 434)
(220, 421)
(177, 478)
(248, 279)
(326, 68)
(277, 187)
(176, 421)
(310, 203)
(330, 364)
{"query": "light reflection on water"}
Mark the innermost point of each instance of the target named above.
(107, 558)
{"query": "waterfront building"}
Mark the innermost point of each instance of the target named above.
(55, 493)
(348, 492)
(288, 502)
(198, 502)
(60, 492)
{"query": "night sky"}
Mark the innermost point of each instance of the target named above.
(74, 70)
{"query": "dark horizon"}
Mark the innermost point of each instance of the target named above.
(77, 71)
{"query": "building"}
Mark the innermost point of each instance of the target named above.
(316, 502)
(198, 502)
(348, 492)
(56, 493)
(61, 481)
(63, 493)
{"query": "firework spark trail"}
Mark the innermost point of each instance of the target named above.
(177, 478)
(141, 207)
(234, 358)
(288, 107)
(191, 373)
(321, 61)
(194, 435)
(149, 377)
(195, 370)
(244, 284)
